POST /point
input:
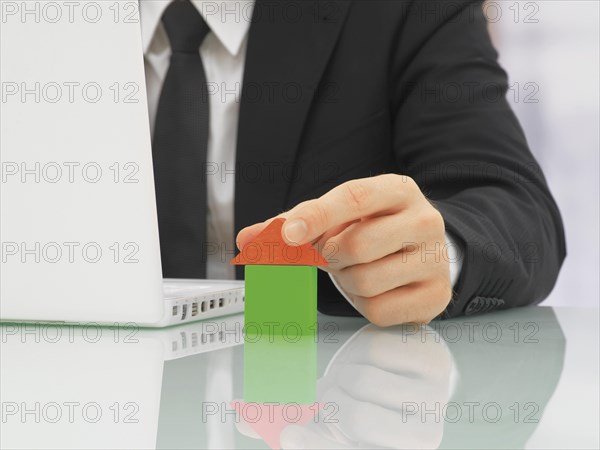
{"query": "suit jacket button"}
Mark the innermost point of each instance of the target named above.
(481, 304)
(473, 306)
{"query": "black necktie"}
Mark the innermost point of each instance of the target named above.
(180, 145)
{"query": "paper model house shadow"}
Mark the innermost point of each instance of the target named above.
(280, 284)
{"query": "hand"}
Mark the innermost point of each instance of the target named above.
(379, 391)
(389, 249)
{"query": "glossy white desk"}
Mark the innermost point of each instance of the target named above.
(521, 378)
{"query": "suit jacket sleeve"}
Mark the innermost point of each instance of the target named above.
(456, 135)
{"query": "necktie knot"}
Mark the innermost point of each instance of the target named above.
(185, 26)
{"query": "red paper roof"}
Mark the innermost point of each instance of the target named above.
(269, 248)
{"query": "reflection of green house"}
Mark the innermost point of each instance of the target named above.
(280, 370)
(280, 284)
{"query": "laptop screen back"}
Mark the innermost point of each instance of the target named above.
(78, 218)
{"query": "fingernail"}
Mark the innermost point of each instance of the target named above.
(295, 231)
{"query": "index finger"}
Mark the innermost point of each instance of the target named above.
(345, 203)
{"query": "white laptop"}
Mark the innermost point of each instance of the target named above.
(78, 225)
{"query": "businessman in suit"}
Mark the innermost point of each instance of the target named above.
(376, 128)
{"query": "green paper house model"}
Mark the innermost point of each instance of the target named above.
(280, 284)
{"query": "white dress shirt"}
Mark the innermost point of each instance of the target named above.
(223, 54)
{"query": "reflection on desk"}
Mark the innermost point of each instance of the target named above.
(477, 382)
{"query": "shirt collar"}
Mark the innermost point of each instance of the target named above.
(229, 20)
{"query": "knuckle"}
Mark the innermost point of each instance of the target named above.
(354, 247)
(375, 314)
(432, 219)
(407, 182)
(357, 195)
(390, 180)
(395, 184)
(403, 187)
(361, 283)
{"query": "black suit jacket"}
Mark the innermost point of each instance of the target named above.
(338, 90)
